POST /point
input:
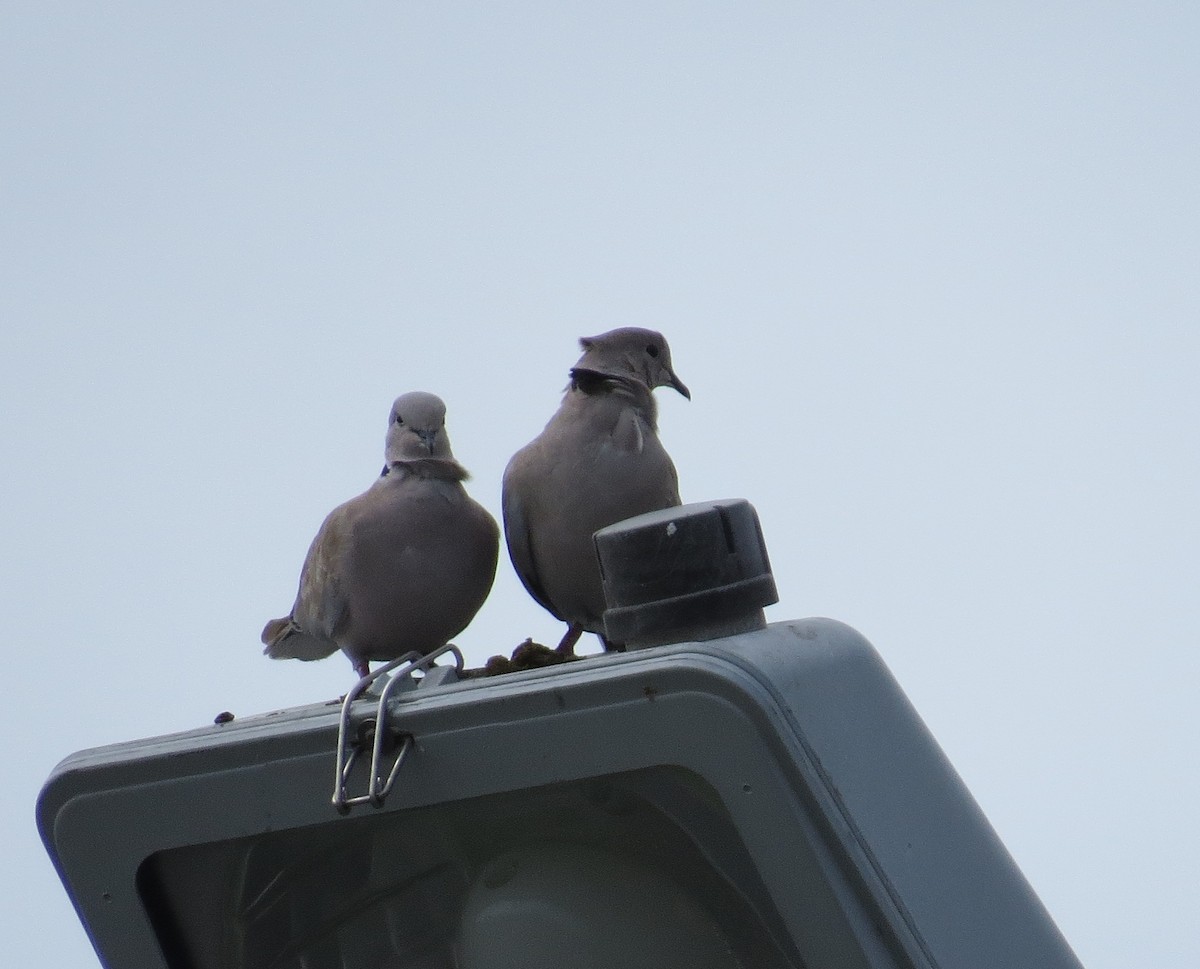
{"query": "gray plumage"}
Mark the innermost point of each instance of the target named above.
(598, 461)
(405, 565)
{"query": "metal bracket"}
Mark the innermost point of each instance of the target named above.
(385, 744)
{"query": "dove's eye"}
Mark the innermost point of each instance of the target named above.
(652, 350)
(399, 419)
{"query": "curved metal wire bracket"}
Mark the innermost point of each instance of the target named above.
(388, 747)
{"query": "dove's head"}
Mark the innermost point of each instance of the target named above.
(630, 353)
(417, 428)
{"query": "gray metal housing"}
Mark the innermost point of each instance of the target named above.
(829, 827)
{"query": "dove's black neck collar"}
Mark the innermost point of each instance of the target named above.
(595, 382)
(629, 390)
(441, 469)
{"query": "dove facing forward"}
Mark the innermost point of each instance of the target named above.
(598, 461)
(404, 566)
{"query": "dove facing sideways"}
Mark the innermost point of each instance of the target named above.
(404, 566)
(598, 461)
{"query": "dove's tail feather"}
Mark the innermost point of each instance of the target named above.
(285, 640)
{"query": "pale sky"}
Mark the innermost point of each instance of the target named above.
(931, 271)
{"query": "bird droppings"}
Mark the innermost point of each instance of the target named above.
(527, 656)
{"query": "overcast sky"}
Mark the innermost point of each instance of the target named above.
(931, 271)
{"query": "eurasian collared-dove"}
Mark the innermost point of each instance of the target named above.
(405, 565)
(598, 461)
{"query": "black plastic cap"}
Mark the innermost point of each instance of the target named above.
(682, 574)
